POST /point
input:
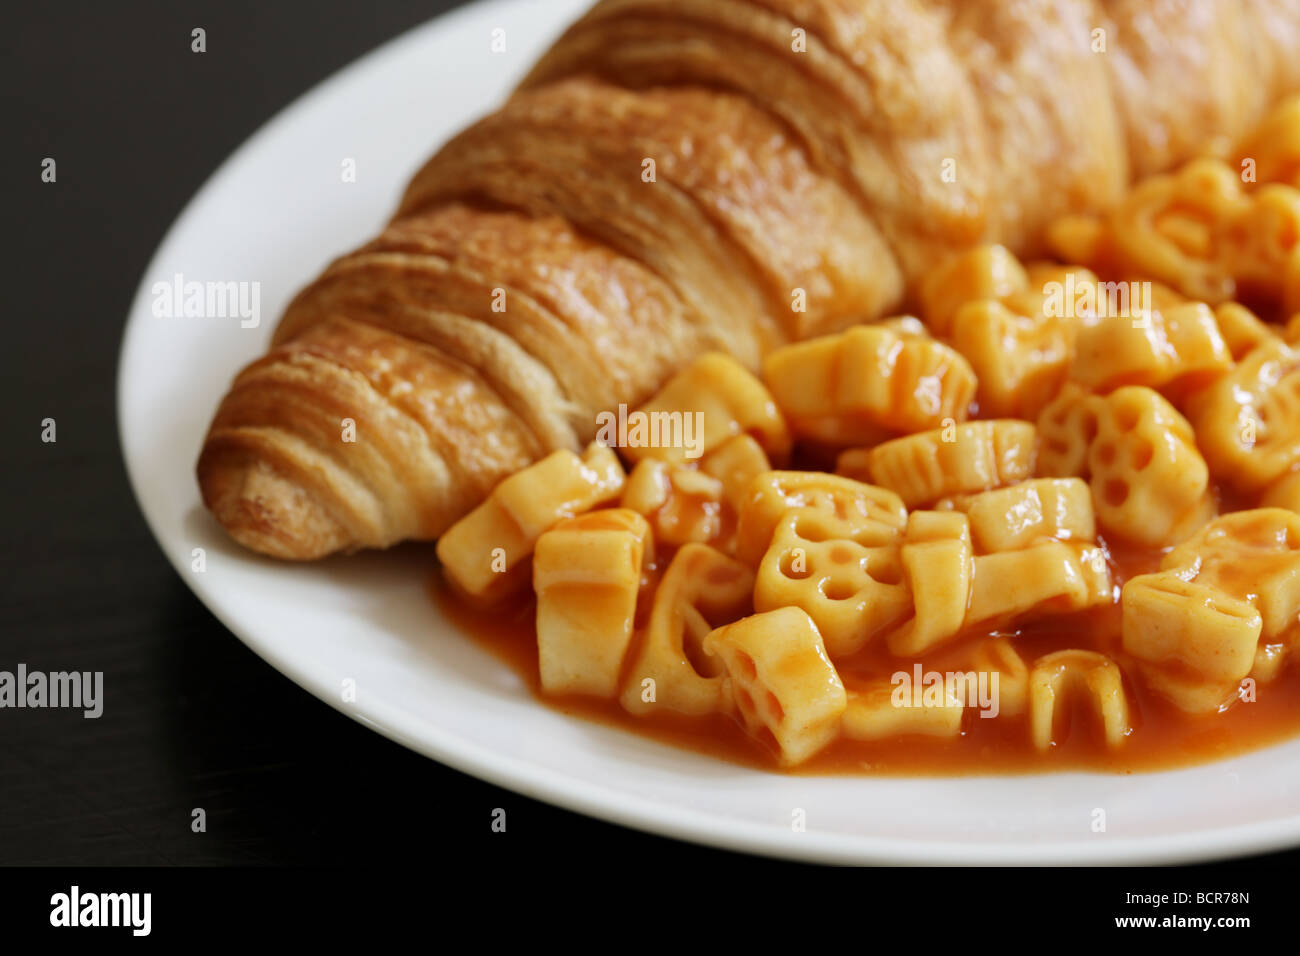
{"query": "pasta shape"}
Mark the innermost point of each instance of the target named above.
(781, 680)
(731, 402)
(874, 514)
(844, 572)
(701, 590)
(1150, 484)
(587, 573)
(1242, 330)
(681, 503)
(1019, 360)
(985, 272)
(1051, 577)
(1248, 423)
(1066, 428)
(880, 710)
(997, 655)
(485, 554)
(1252, 555)
(868, 382)
(956, 460)
(1007, 519)
(1193, 641)
(1057, 676)
(1178, 347)
(937, 561)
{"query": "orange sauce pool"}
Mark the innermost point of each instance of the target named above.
(1162, 737)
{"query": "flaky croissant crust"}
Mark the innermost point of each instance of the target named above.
(683, 175)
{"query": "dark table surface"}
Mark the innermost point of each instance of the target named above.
(136, 122)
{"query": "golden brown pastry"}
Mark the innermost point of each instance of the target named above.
(683, 175)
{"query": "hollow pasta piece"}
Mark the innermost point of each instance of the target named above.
(731, 401)
(1007, 519)
(485, 553)
(937, 562)
(1179, 348)
(845, 573)
(1057, 676)
(1193, 641)
(781, 680)
(1242, 330)
(1150, 484)
(867, 508)
(1253, 556)
(1019, 360)
(985, 272)
(1248, 422)
(868, 382)
(702, 589)
(960, 459)
(587, 574)
(883, 709)
(1066, 428)
(1051, 577)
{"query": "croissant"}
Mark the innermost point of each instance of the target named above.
(676, 176)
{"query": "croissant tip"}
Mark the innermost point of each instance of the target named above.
(267, 512)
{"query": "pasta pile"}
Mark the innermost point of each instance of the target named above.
(989, 457)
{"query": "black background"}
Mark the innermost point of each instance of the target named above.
(136, 122)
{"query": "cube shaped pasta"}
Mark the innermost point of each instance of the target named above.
(701, 590)
(485, 553)
(1095, 677)
(1248, 422)
(587, 574)
(938, 563)
(1046, 578)
(730, 401)
(1066, 428)
(1251, 555)
(985, 272)
(868, 382)
(838, 571)
(1150, 484)
(956, 460)
(781, 680)
(875, 516)
(1193, 642)
(1007, 519)
(1177, 348)
(1020, 361)
(886, 709)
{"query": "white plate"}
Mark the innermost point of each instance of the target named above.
(274, 213)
